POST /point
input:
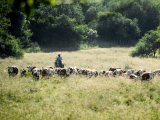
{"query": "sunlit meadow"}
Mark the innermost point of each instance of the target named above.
(80, 97)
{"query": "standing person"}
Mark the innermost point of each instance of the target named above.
(58, 62)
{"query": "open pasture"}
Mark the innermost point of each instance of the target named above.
(79, 97)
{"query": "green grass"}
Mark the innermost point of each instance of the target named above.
(79, 97)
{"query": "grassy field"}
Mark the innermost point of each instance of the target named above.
(80, 98)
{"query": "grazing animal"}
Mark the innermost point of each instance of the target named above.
(128, 73)
(63, 72)
(44, 72)
(30, 68)
(109, 73)
(81, 71)
(113, 69)
(73, 70)
(140, 72)
(36, 73)
(23, 73)
(95, 73)
(157, 72)
(91, 73)
(13, 71)
(47, 72)
(133, 76)
(117, 72)
(84, 72)
(102, 72)
(147, 76)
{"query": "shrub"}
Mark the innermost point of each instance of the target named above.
(148, 45)
(117, 28)
(91, 14)
(87, 34)
(9, 46)
(19, 28)
(33, 49)
(145, 11)
(59, 33)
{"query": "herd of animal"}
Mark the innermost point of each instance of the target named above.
(48, 72)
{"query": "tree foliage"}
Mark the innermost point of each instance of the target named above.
(4, 10)
(19, 28)
(148, 45)
(88, 35)
(146, 12)
(56, 28)
(9, 45)
(59, 24)
(115, 27)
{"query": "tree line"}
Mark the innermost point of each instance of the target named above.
(33, 25)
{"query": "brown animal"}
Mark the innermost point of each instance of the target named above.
(44, 72)
(63, 72)
(84, 72)
(113, 69)
(147, 76)
(47, 72)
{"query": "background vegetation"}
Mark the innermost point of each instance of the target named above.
(58, 24)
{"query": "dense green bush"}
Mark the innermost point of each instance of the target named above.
(87, 34)
(62, 26)
(117, 28)
(91, 14)
(9, 46)
(57, 33)
(33, 49)
(4, 10)
(72, 11)
(148, 45)
(146, 12)
(19, 28)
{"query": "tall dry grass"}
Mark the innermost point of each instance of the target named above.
(79, 97)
